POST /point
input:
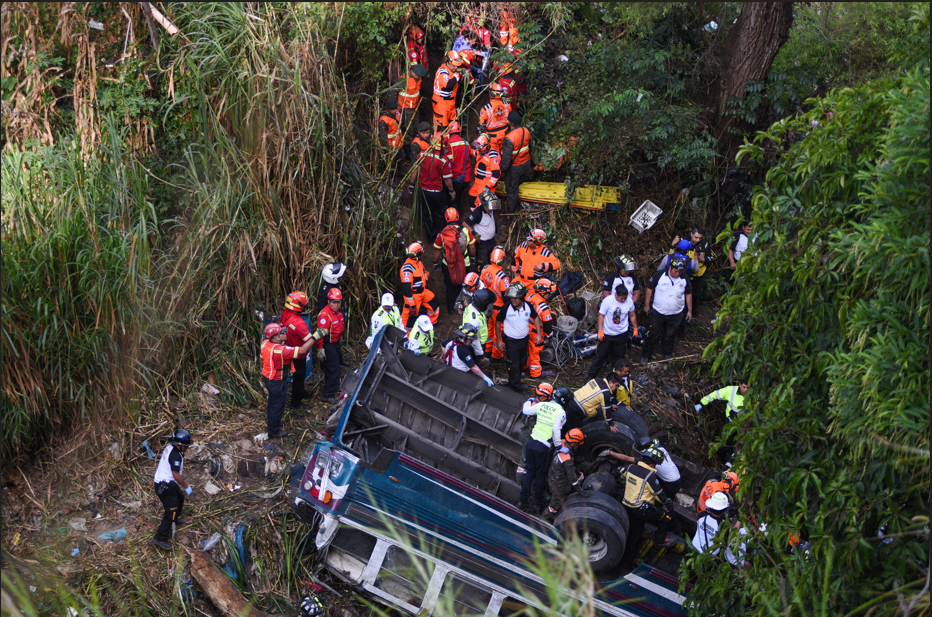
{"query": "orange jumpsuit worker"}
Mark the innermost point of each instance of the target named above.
(418, 299)
(390, 139)
(533, 260)
(493, 118)
(516, 159)
(446, 84)
(487, 170)
(409, 99)
(495, 280)
(537, 338)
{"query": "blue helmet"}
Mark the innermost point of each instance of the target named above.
(684, 246)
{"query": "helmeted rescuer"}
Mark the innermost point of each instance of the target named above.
(514, 327)
(482, 222)
(446, 84)
(495, 280)
(409, 100)
(624, 394)
(170, 486)
(454, 241)
(386, 315)
(419, 300)
(458, 150)
(487, 172)
(458, 352)
(615, 312)
(435, 183)
(331, 319)
(537, 338)
(277, 360)
(311, 606)
(421, 337)
(667, 471)
(550, 418)
(563, 477)
(516, 159)
(646, 502)
(694, 250)
(493, 118)
(471, 284)
(330, 278)
(625, 267)
(417, 52)
(533, 260)
(475, 314)
(593, 402)
(670, 292)
(727, 485)
(732, 395)
(296, 334)
(708, 527)
(389, 125)
(681, 249)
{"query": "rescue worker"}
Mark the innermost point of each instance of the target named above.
(409, 100)
(539, 336)
(475, 314)
(493, 118)
(681, 249)
(563, 478)
(667, 470)
(516, 159)
(708, 526)
(544, 392)
(732, 395)
(458, 352)
(330, 278)
(487, 172)
(482, 222)
(533, 260)
(435, 183)
(329, 352)
(624, 394)
(456, 235)
(727, 485)
(739, 243)
(416, 51)
(546, 432)
(418, 299)
(615, 312)
(461, 165)
(171, 487)
(390, 138)
(495, 280)
(514, 326)
(421, 337)
(699, 250)
(625, 266)
(311, 606)
(647, 502)
(669, 290)
(386, 315)
(471, 284)
(593, 402)
(296, 334)
(420, 143)
(446, 84)
(276, 365)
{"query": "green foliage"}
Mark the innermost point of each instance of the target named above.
(831, 323)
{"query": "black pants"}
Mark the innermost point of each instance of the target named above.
(172, 498)
(434, 204)
(663, 328)
(297, 381)
(452, 291)
(461, 189)
(278, 394)
(670, 488)
(515, 358)
(332, 369)
(574, 417)
(514, 176)
(612, 348)
(637, 517)
(483, 253)
(698, 283)
(536, 456)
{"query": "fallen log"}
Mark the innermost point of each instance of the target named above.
(219, 589)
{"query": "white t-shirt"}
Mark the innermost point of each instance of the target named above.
(516, 323)
(669, 293)
(163, 473)
(615, 314)
(706, 528)
(667, 470)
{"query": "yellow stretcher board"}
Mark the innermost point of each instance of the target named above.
(587, 197)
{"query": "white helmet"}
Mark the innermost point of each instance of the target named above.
(424, 324)
(388, 300)
(334, 272)
(717, 502)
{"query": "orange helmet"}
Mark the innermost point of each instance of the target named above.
(732, 478)
(451, 215)
(296, 301)
(496, 91)
(335, 294)
(455, 127)
(416, 33)
(454, 58)
(575, 436)
(481, 143)
(545, 391)
(271, 330)
(415, 250)
(498, 255)
(544, 286)
(472, 279)
(538, 235)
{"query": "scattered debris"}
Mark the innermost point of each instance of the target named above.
(260, 438)
(233, 487)
(210, 542)
(78, 524)
(115, 451)
(218, 588)
(149, 453)
(114, 536)
(75, 551)
(211, 489)
(210, 389)
(132, 505)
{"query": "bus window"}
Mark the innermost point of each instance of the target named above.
(404, 576)
(462, 599)
(349, 552)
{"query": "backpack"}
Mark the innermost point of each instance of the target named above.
(576, 307)
(570, 283)
(453, 253)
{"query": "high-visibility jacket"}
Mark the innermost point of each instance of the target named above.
(382, 318)
(494, 118)
(446, 83)
(496, 281)
(543, 309)
(508, 30)
(333, 321)
(472, 315)
(625, 391)
(424, 341)
(413, 279)
(458, 153)
(276, 360)
(411, 95)
(593, 398)
(710, 488)
(516, 148)
(488, 172)
(460, 229)
(527, 257)
(641, 486)
(422, 146)
(734, 400)
(392, 121)
(547, 414)
(417, 53)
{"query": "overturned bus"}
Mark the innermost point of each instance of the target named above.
(414, 498)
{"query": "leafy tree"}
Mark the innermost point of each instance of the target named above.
(830, 320)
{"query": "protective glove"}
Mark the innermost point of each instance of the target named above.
(635, 331)
(488, 381)
(699, 407)
(321, 333)
(601, 335)
(417, 352)
(189, 490)
(604, 454)
(320, 354)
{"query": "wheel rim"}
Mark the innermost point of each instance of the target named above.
(596, 546)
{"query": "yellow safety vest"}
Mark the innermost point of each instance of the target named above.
(546, 414)
(424, 339)
(472, 315)
(590, 397)
(637, 490)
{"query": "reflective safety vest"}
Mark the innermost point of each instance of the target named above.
(473, 316)
(638, 489)
(547, 412)
(276, 360)
(496, 281)
(520, 139)
(446, 82)
(394, 129)
(411, 95)
(593, 396)
(382, 318)
(624, 391)
(494, 115)
(422, 145)
(421, 340)
(734, 400)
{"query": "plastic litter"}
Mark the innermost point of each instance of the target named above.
(210, 542)
(210, 389)
(114, 536)
(563, 58)
(227, 463)
(75, 551)
(132, 505)
(78, 524)
(240, 530)
(233, 487)
(260, 438)
(115, 451)
(211, 489)
(149, 452)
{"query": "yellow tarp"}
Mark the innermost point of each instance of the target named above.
(589, 197)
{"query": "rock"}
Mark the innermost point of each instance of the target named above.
(78, 524)
(674, 392)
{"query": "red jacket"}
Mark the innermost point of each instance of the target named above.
(334, 322)
(417, 53)
(276, 358)
(435, 168)
(297, 332)
(458, 151)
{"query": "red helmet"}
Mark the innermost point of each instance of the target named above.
(575, 436)
(538, 235)
(496, 91)
(416, 33)
(468, 56)
(335, 294)
(481, 143)
(455, 127)
(544, 286)
(454, 58)
(471, 281)
(415, 250)
(451, 215)
(296, 301)
(272, 329)
(498, 256)
(545, 391)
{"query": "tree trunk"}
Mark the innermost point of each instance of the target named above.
(752, 44)
(221, 591)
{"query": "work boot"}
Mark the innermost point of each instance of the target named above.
(344, 362)
(330, 398)
(181, 522)
(312, 378)
(300, 406)
(644, 360)
(277, 434)
(519, 387)
(165, 546)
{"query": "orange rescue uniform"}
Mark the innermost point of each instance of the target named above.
(527, 257)
(496, 281)
(446, 83)
(533, 349)
(488, 171)
(276, 358)
(392, 122)
(418, 299)
(494, 117)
